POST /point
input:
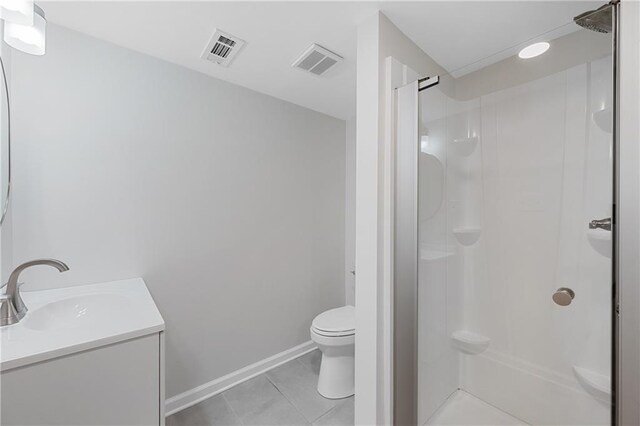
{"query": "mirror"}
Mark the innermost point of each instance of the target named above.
(5, 144)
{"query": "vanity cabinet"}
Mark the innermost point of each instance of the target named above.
(84, 355)
(118, 384)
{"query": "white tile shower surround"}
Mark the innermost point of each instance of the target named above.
(463, 409)
(285, 395)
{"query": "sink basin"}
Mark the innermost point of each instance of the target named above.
(80, 311)
(68, 320)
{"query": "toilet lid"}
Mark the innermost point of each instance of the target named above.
(336, 320)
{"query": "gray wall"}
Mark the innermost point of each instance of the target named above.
(229, 203)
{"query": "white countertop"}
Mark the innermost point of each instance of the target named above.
(67, 320)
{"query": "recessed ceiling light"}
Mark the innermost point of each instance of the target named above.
(533, 50)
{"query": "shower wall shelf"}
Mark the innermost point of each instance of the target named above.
(469, 342)
(600, 240)
(431, 255)
(596, 384)
(464, 147)
(467, 236)
(604, 119)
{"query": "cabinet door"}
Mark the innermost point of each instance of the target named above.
(117, 384)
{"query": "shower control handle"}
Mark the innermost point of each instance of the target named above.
(601, 224)
(563, 296)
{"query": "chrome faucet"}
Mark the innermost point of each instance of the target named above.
(12, 308)
(601, 224)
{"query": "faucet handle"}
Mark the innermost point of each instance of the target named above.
(5, 284)
(8, 312)
(601, 224)
(18, 303)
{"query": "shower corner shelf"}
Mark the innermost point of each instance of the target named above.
(469, 342)
(596, 384)
(464, 147)
(600, 241)
(430, 255)
(467, 236)
(604, 119)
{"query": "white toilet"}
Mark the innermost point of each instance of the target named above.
(334, 331)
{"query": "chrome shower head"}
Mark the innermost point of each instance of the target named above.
(599, 20)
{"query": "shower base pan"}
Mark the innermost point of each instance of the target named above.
(464, 409)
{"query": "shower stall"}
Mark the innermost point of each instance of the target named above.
(504, 232)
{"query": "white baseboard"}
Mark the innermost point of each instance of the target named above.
(214, 387)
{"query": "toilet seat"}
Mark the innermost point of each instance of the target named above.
(336, 322)
(334, 334)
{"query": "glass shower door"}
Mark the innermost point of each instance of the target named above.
(515, 194)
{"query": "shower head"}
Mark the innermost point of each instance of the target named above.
(599, 20)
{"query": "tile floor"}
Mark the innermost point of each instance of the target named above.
(286, 395)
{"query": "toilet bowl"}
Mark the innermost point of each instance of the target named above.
(334, 332)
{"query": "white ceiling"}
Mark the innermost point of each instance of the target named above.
(456, 34)
(453, 33)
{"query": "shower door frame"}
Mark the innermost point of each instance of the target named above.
(615, 219)
(623, 207)
(626, 215)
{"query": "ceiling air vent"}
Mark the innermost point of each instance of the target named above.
(317, 60)
(222, 48)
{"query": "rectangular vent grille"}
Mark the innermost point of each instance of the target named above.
(222, 48)
(317, 60)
